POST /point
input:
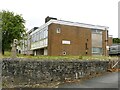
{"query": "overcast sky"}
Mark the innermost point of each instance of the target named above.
(97, 12)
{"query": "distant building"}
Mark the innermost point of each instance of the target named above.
(25, 48)
(59, 37)
(110, 40)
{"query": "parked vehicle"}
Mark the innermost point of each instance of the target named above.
(114, 50)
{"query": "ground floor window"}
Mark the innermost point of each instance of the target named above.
(42, 51)
(97, 51)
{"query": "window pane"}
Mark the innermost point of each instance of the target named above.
(58, 30)
(96, 40)
(97, 51)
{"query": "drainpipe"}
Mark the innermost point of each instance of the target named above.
(106, 40)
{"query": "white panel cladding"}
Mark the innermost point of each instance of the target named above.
(44, 26)
(65, 42)
(40, 44)
(43, 30)
(45, 51)
(80, 24)
(39, 38)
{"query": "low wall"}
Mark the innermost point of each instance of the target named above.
(22, 72)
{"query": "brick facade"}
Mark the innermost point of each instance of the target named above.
(70, 38)
(79, 37)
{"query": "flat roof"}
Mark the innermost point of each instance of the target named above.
(80, 24)
(63, 22)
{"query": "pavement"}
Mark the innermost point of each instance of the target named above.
(109, 80)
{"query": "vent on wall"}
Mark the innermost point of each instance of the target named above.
(64, 53)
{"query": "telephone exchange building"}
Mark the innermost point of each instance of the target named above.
(59, 37)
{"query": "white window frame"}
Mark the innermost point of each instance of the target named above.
(58, 30)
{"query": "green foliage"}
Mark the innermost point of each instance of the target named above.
(116, 40)
(0, 32)
(12, 28)
(80, 57)
(8, 54)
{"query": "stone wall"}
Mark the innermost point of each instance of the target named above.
(22, 72)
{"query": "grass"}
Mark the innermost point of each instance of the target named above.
(8, 55)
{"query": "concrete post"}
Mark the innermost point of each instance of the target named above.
(14, 46)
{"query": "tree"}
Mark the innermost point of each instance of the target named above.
(0, 33)
(12, 28)
(116, 40)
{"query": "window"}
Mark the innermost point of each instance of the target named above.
(37, 36)
(46, 33)
(96, 50)
(96, 40)
(40, 35)
(33, 37)
(58, 30)
(97, 31)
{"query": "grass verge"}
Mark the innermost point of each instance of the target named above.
(8, 55)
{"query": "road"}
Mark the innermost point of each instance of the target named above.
(106, 81)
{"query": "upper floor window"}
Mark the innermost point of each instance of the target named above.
(39, 35)
(58, 30)
(97, 31)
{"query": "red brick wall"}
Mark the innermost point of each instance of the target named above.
(110, 41)
(104, 42)
(78, 36)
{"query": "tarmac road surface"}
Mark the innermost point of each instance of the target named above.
(109, 80)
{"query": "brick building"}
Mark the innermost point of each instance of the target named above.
(59, 37)
(26, 43)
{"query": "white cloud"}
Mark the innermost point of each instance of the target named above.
(100, 12)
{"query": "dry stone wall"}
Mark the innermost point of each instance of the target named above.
(20, 72)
